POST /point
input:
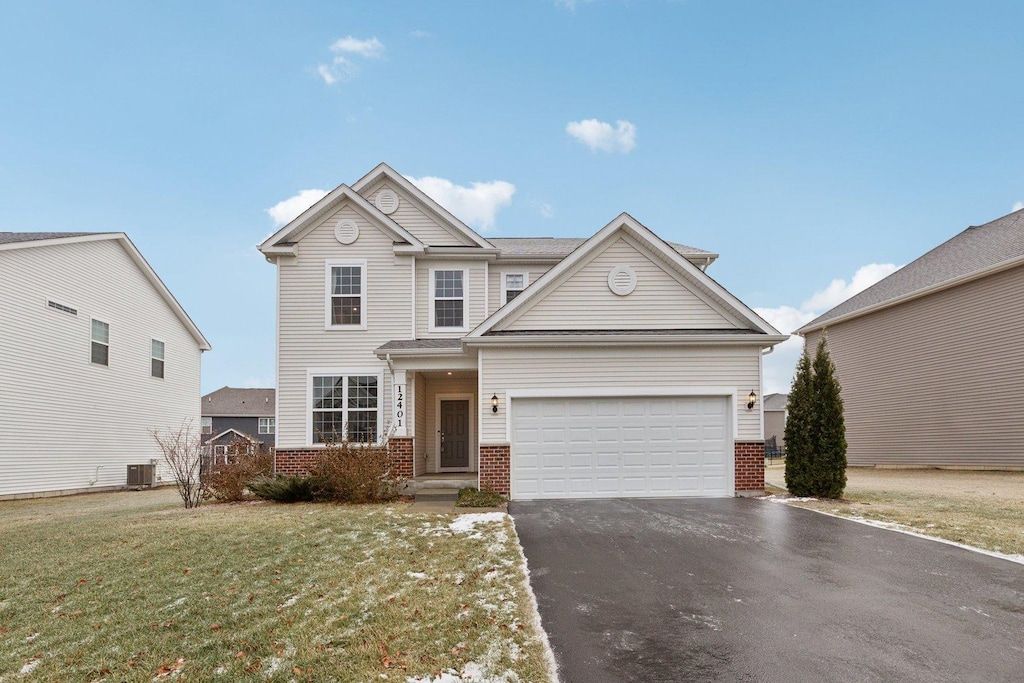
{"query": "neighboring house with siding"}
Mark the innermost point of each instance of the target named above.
(775, 419)
(544, 368)
(229, 413)
(929, 358)
(96, 353)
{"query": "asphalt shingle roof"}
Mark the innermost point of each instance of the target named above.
(12, 237)
(776, 401)
(231, 402)
(975, 249)
(560, 246)
(401, 344)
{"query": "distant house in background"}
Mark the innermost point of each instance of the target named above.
(229, 414)
(96, 352)
(930, 358)
(775, 419)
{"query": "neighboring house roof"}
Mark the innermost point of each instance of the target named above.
(232, 402)
(776, 401)
(24, 240)
(624, 223)
(973, 253)
(235, 435)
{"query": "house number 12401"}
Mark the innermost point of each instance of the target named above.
(399, 404)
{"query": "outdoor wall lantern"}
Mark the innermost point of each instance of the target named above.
(494, 403)
(751, 400)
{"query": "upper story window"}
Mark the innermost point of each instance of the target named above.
(100, 353)
(448, 300)
(346, 295)
(206, 425)
(512, 285)
(157, 358)
(267, 425)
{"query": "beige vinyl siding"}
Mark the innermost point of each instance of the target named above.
(304, 344)
(584, 300)
(496, 275)
(421, 225)
(473, 290)
(735, 368)
(450, 385)
(63, 416)
(420, 425)
(775, 425)
(935, 381)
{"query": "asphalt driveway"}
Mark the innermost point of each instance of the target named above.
(739, 589)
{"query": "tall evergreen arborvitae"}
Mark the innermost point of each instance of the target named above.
(828, 428)
(799, 419)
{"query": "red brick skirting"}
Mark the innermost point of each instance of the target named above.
(749, 458)
(299, 461)
(494, 467)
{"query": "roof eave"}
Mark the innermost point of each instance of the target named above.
(540, 339)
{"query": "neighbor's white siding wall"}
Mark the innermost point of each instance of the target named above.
(497, 276)
(584, 300)
(737, 368)
(61, 416)
(421, 225)
(304, 344)
(474, 291)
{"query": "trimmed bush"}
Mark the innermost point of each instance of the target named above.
(283, 489)
(354, 473)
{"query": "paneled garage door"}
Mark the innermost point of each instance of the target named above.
(621, 447)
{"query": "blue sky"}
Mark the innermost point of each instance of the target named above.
(813, 145)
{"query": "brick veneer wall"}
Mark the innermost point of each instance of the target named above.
(749, 459)
(298, 461)
(495, 461)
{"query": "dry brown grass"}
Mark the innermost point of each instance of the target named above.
(982, 509)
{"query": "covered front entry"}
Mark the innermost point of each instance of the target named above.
(444, 421)
(590, 447)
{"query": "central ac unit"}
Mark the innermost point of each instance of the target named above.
(141, 475)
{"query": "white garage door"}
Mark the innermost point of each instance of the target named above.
(621, 447)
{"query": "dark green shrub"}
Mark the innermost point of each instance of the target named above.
(283, 489)
(354, 473)
(228, 481)
(799, 416)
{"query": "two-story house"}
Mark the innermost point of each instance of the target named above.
(230, 414)
(543, 368)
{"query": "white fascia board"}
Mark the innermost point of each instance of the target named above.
(949, 284)
(540, 339)
(425, 202)
(397, 353)
(461, 253)
(430, 363)
(95, 237)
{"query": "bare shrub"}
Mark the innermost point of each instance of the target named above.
(183, 453)
(348, 472)
(244, 462)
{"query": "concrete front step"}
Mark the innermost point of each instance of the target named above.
(414, 485)
(447, 495)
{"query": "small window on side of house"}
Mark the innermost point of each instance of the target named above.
(157, 359)
(513, 285)
(267, 425)
(206, 425)
(100, 343)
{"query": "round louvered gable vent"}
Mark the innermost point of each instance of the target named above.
(622, 280)
(387, 201)
(346, 232)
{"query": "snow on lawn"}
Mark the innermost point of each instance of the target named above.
(466, 524)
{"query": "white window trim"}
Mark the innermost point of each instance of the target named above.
(366, 372)
(93, 340)
(162, 359)
(504, 288)
(263, 425)
(328, 289)
(431, 327)
(202, 425)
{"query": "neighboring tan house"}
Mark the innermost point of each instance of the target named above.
(775, 419)
(229, 414)
(96, 352)
(930, 358)
(544, 368)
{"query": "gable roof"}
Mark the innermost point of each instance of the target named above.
(774, 402)
(282, 241)
(382, 171)
(973, 253)
(24, 240)
(237, 435)
(624, 223)
(232, 402)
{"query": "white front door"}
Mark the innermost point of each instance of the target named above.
(644, 447)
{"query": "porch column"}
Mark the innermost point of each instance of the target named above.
(399, 405)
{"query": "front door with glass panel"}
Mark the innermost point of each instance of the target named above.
(453, 435)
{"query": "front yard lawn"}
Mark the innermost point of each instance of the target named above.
(981, 509)
(131, 587)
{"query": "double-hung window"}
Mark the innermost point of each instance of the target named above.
(266, 425)
(207, 425)
(346, 295)
(512, 285)
(157, 359)
(448, 297)
(345, 407)
(100, 352)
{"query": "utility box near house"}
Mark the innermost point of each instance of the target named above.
(141, 475)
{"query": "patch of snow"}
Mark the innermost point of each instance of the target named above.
(460, 578)
(31, 637)
(29, 667)
(416, 575)
(177, 603)
(464, 524)
(220, 671)
(289, 602)
(491, 575)
(470, 672)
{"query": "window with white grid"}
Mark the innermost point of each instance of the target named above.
(346, 295)
(512, 285)
(345, 408)
(448, 294)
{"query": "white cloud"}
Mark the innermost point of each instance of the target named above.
(779, 365)
(344, 66)
(287, 209)
(571, 5)
(601, 136)
(1017, 206)
(419, 33)
(547, 211)
(477, 205)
